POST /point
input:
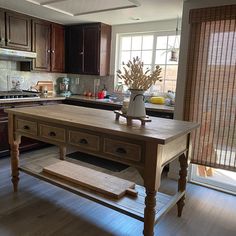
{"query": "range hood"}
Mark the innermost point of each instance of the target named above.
(16, 55)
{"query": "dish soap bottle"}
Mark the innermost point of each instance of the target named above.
(104, 90)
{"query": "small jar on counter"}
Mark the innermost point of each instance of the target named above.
(45, 91)
(125, 106)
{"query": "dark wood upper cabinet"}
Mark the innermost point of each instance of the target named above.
(74, 49)
(88, 49)
(91, 49)
(48, 43)
(18, 31)
(2, 28)
(57, 48)
(41, 45)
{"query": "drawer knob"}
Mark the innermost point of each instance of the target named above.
(26, 127)
(121, 150)
(83, 141)
(52, 134)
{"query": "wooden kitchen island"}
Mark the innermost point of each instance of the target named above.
(148, 148)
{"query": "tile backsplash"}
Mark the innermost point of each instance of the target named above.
(10, 74)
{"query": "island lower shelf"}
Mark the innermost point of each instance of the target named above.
(131, 206)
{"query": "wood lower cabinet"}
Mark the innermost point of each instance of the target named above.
(88, 49)
(4, 146)
(26, 143)
(48, 43)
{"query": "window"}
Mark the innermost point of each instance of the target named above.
(153, 49)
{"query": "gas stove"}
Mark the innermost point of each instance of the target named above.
(24, 94)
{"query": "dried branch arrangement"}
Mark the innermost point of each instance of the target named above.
(135, 77)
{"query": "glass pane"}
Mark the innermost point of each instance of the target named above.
(161, 42)
(172, 57)
(170, 85)
(158, 87)
(137, 43)
(125, 43)
(173, 41)
(160, 57)
(125, 57)
(162, 74)
(171, 72)
(135, 54)
(147, 57)
(147, 67)
(147, 42)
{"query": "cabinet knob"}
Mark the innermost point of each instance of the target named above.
(53, 51)
(83, 141)
(121, 150)
(26, 127)
(48, 50)
(52, 134)
(8, 40)
(81, 53)
(2, 40)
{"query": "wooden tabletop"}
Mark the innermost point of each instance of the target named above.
(160, 130)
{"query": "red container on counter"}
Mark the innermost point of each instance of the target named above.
(100, 95)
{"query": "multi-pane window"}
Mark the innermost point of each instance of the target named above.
(153, 49)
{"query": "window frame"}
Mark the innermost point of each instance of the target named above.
(118, 61)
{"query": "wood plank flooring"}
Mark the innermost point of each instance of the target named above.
(41, 209)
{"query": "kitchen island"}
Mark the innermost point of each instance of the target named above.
(148, 148)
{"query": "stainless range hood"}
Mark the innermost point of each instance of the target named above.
(15, 55)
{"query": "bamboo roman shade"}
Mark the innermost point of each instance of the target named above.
(211, 86)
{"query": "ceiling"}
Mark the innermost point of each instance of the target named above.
(112, 12)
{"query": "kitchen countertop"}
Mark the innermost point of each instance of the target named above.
(149, 106)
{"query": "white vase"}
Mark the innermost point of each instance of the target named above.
(136, 104)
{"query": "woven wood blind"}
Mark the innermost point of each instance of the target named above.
(211, 86)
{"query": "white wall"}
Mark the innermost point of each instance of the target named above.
(155, 26)
(181, 79)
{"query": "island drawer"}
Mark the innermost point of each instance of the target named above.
(84, 140)
(26, 126)
(52, 133)
(122, 149)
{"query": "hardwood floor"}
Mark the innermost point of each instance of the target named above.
(42, 209)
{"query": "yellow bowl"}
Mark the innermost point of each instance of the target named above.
(157, 100)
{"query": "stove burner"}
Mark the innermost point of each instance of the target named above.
(9, 95)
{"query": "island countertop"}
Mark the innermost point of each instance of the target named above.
(160, 130)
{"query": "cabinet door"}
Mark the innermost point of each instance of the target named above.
(74, 49)
(91, 50)
(2, 28)
(4, 145)
(57, 48)
(41, 45)
(18, 31)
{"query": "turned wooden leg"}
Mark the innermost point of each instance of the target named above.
(149, 213)
(14, 164)
(182, 182)
(62, 152)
